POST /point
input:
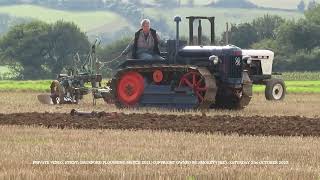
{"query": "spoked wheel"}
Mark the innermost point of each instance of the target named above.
(196, 82)
(129, 89)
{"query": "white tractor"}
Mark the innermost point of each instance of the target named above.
(259, 66)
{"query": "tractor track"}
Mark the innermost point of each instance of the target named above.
(256, 125)
(209, 80)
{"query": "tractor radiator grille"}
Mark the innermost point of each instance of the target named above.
(235, 65)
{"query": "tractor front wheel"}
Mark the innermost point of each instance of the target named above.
(275, 89)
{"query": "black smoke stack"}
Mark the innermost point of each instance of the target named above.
(177, 19)
(199, 33)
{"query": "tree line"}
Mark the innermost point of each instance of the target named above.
(296, 43)
(38, 50)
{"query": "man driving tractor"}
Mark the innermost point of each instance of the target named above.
(145, 44)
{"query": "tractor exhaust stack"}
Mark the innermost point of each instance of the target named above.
(177, 19)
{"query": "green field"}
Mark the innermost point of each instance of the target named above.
(44, 85)
(32, 86)
(301, 76)
(89, 21)
(296, 87)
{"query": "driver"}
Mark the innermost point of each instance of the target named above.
(145, 44)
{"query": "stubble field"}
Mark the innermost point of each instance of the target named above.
(265, 131)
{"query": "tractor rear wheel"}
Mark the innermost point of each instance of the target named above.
(195, 81)
(275, 89)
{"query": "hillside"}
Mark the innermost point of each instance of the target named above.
(95, 22)
(222, 16)
(88, 21)
(283, 4)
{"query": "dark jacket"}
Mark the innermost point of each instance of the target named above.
(135, 44)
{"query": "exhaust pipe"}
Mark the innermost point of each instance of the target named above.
(177, 19)
(199, 33)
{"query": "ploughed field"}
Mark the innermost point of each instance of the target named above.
(264, 131)
(297, 115)
(224, 124)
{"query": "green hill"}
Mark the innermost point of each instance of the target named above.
(283, 4)
(95, 22)
(222, 16)
(88, 21)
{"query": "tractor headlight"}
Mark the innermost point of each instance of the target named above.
(247, 59)
(214, 59)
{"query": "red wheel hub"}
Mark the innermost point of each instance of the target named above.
(196, 82)
(130, 88)
(157, 76)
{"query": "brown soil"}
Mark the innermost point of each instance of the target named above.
(256, 125)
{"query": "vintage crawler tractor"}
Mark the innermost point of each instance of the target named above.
(191, 76)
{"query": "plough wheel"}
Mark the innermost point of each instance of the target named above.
(57, 94)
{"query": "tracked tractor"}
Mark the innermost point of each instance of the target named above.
(191, 76)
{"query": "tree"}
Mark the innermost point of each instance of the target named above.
(266, 26)
(243, 35)
(301, 6)
(312, 4)
(39, 50)
(313, 15)
(22, 46)
(299, 35)
(64, 41)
